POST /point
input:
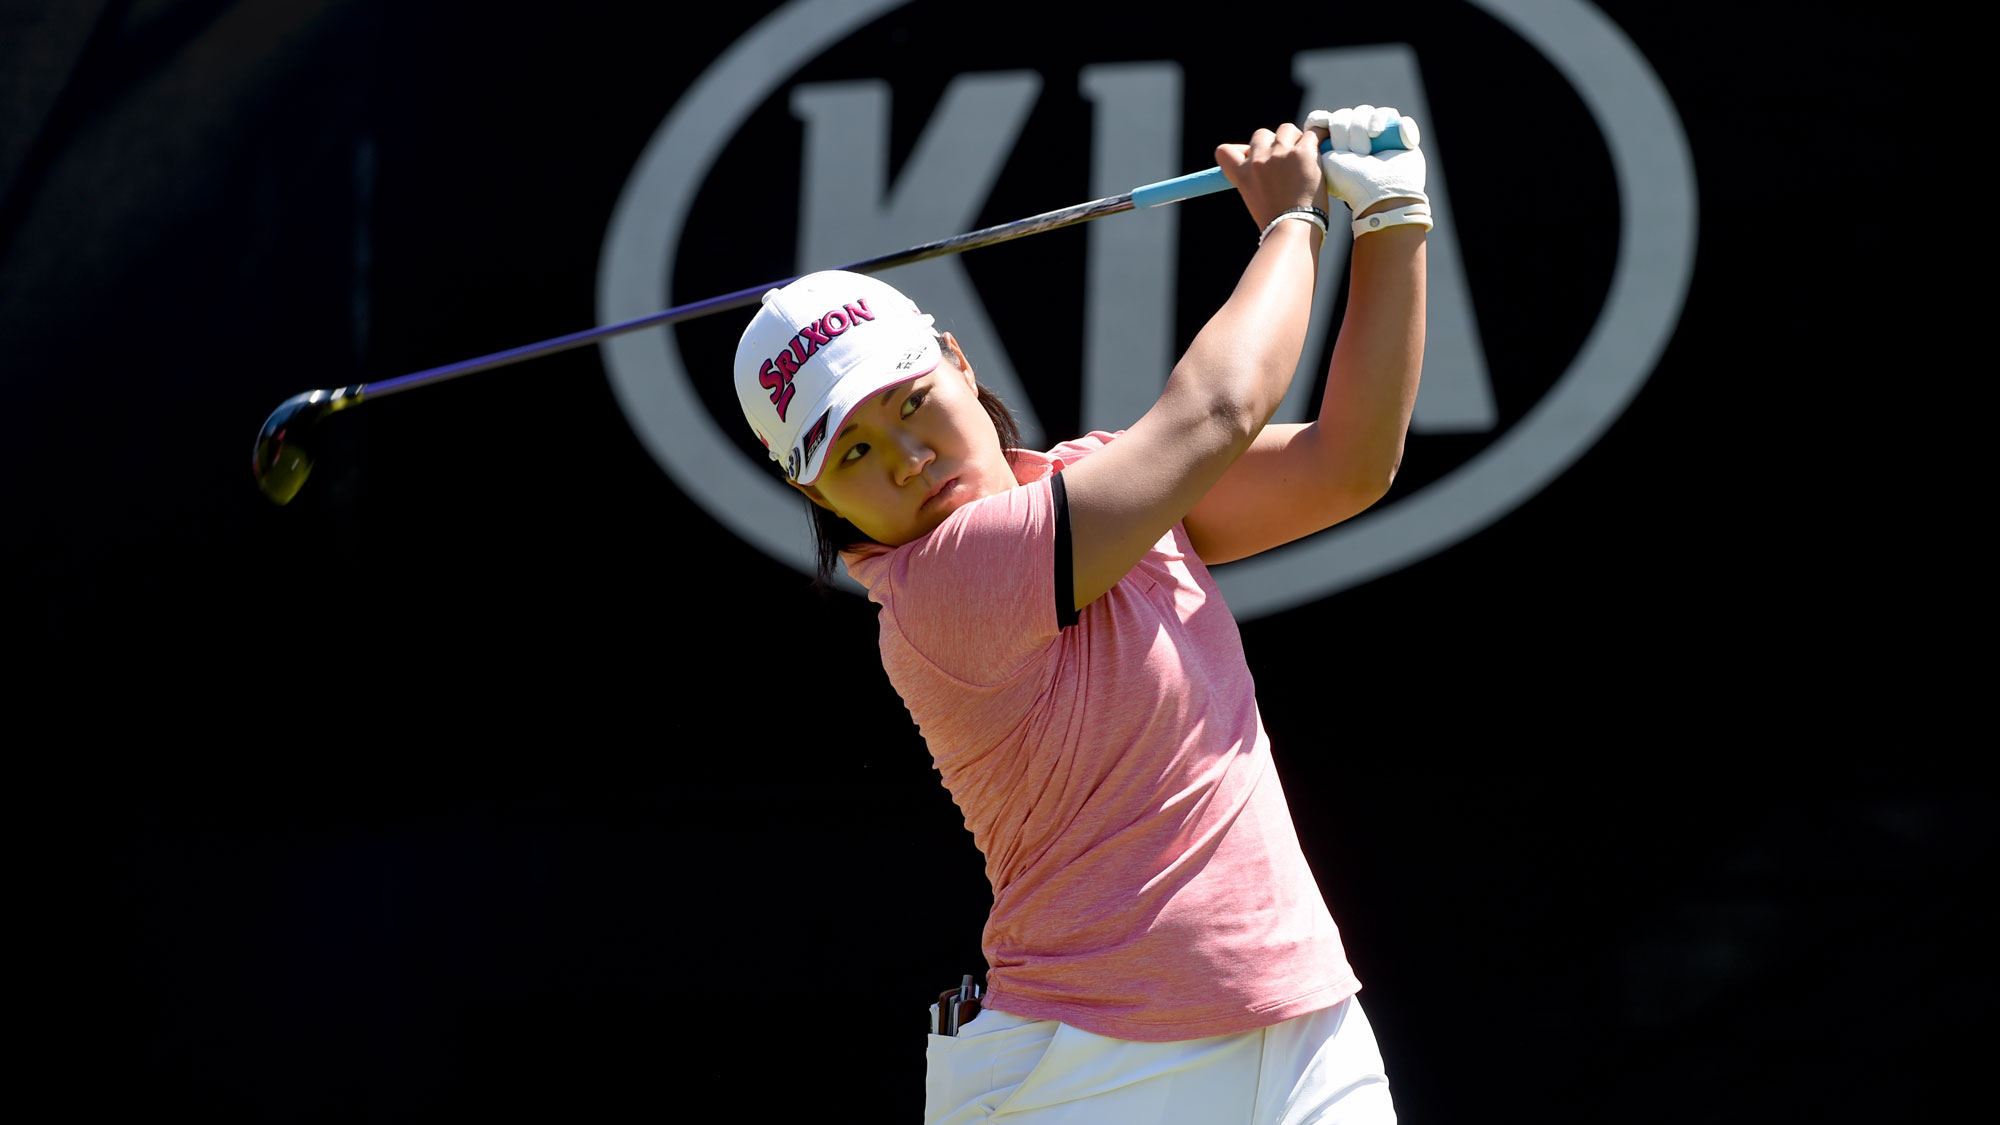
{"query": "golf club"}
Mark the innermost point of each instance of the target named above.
(282, 456)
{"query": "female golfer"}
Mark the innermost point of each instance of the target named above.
(1157, 950)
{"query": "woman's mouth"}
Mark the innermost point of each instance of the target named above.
(942, 494)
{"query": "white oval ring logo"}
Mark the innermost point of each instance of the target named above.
(1650, 277)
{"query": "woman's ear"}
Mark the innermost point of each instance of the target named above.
(956, 356)
(813, 495)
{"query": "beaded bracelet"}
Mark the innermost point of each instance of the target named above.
(1312, 215)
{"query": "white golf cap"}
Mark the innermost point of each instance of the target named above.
(819, 347)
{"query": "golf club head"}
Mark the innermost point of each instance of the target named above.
(283, 456)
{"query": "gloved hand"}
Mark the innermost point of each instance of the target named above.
(1360, 177)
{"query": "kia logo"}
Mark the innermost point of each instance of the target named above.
(851, 208)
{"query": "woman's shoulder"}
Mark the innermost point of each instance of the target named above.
(1076, 449)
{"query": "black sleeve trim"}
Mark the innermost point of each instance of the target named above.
(1065, 557)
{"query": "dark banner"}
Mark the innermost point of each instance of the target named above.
(514, 767)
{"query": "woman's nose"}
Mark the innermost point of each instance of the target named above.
(913, 457)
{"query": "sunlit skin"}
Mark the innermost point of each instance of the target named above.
(905, 460)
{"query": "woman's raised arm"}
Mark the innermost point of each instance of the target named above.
(1296, 480)
(1123, 498)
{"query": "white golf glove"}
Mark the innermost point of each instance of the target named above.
(1360, 177)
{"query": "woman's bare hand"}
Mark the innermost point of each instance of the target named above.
(1278, 170)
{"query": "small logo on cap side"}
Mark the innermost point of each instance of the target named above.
(812, 439)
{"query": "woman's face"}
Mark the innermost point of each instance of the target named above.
(909, 457)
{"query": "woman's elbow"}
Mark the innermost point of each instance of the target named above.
(1360, 491)
(1215, 419)
(1379, 485)
(1224, 395)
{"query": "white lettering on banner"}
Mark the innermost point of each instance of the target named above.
(1654, 262)
(846, 213)
(1128, 327)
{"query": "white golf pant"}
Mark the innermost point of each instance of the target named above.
(1322, 1068)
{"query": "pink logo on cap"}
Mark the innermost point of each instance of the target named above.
(776, 373)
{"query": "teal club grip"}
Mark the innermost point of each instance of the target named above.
(1212, 181)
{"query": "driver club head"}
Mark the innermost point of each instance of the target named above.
(283, 457)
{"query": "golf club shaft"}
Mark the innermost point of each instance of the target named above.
(1082, 212)
(1149, 195)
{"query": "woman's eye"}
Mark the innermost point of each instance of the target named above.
(854, 454)
(915, 400)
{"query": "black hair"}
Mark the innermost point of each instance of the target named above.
(832, 534)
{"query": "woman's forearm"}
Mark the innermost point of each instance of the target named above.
(1371, 383)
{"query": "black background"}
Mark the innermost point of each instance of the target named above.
(451, 788)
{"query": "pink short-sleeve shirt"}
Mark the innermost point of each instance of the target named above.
(1147, 881)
